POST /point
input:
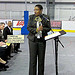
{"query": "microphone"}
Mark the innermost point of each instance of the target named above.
(44, 17)
(52, 31)
(48, 20)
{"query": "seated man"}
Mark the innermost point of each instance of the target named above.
(1, 60)
(8, 31)
(2, 25)
(2, 49)
(2, 40)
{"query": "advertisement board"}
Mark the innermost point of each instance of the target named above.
(18, 23)
(56, 24)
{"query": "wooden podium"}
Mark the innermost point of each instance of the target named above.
(55, 36)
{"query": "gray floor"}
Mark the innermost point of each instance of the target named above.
(66, 59)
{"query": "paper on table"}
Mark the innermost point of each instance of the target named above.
(4, 46)
(52, 35)
(7, 44)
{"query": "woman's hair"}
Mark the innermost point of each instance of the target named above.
(39, 6)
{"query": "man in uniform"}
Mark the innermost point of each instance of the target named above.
(38, 26)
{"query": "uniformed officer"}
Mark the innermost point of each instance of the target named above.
(38, 26)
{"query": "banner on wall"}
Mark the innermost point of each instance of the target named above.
(56, 24)
(18, 23)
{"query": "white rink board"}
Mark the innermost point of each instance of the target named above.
(68, 25)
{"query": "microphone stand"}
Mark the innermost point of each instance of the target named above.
(56, 48)
(58, 39)
(56, 51)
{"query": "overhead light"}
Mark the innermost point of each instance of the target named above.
(30, 1)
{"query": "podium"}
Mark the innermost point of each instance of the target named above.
(56, 38)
